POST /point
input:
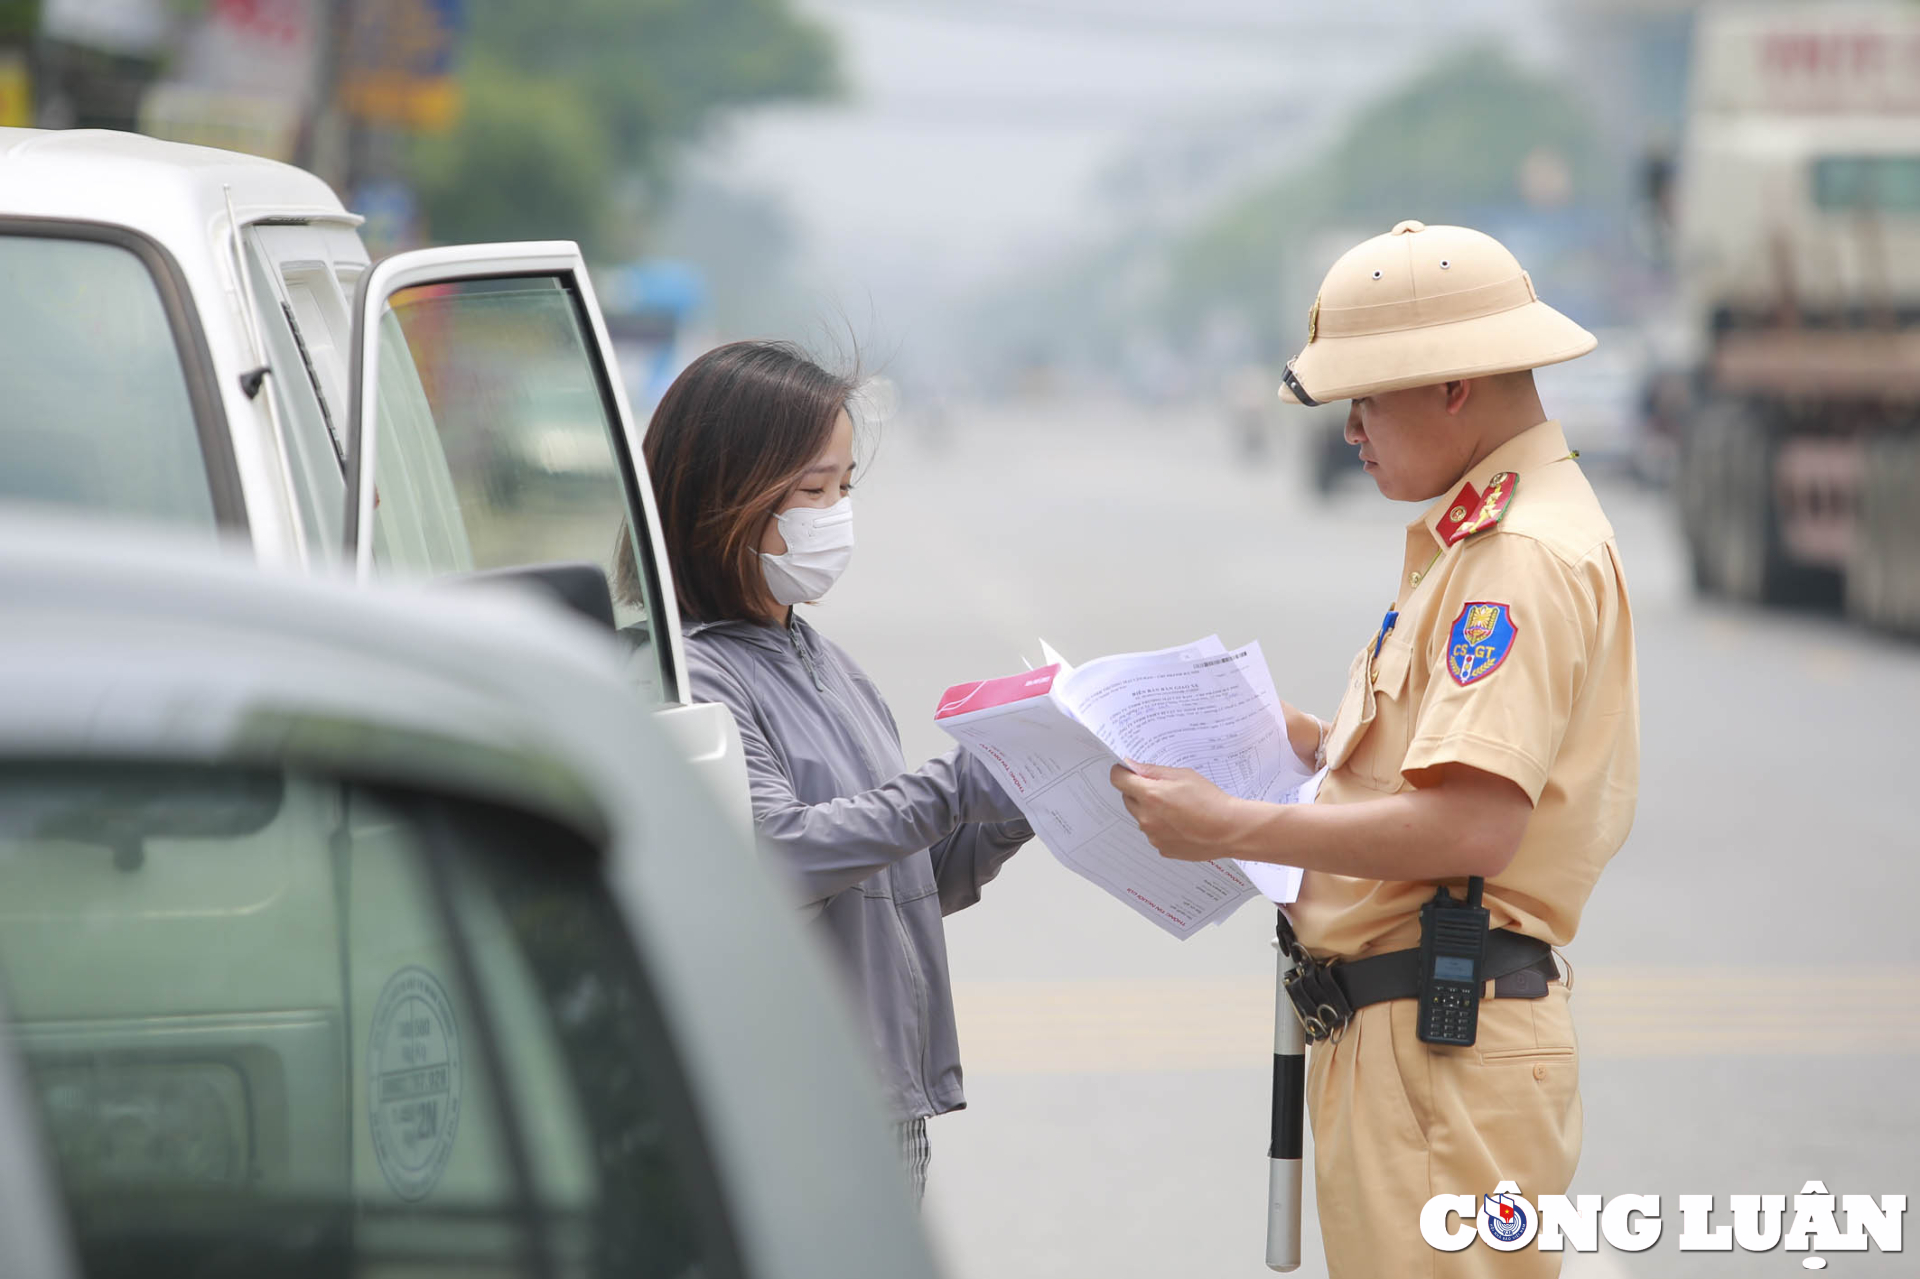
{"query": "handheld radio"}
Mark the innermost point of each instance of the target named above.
(1453, 945)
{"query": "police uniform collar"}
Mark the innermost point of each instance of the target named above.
(1534, 447)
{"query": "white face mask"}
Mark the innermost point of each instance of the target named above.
(819, 547)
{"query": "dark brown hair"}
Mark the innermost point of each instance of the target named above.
(731, 437)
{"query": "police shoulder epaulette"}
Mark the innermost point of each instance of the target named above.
(1476, 512)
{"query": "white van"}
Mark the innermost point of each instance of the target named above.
(364, 932)
(196, 339)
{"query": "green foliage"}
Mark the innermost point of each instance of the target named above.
(1455, 140)
(18, 20)
(656, 69)
(568, 102)
(1445, 148)
(528, 161)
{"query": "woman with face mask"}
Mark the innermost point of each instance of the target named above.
(751, 457)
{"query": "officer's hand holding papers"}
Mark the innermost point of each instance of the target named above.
(1051, 736)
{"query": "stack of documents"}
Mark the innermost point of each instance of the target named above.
(1051, 736)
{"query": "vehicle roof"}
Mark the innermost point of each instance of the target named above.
(99, 175)
(127, 644)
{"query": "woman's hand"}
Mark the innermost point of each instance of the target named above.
(1182, 814)
(1304, 734)
(984, 798)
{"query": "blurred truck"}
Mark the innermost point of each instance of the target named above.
(1796, 237)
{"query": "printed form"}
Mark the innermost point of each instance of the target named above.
(1052, 735)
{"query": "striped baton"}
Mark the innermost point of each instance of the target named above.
(1289, 1120)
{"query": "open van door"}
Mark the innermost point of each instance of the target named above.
(489, 431)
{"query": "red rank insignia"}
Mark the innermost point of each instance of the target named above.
(1473, 512)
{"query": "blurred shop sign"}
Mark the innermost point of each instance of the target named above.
(266, 47)
(244, 79)
(118, 26)
(252, 123)
(16, 91)
(1846, 58)
(399, 63)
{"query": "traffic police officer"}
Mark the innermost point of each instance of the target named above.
(1490, 728)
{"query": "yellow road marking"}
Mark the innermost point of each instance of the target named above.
(1227, 1023)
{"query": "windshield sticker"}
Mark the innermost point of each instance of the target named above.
(413, 1082)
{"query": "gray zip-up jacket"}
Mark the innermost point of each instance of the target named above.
(879, 853)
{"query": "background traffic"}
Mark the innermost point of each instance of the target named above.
(1075, 240)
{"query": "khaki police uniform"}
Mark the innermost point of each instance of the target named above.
(1512, 652)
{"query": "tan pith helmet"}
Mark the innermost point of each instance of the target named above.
(1424, 304)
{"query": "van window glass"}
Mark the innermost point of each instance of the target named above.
(1868, 183)
(278, 1024)
(319, 312)
(308, 422)
(94, 414)
(497, 443)
(419, 527)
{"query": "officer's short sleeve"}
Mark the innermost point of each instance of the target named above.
(1507, 658)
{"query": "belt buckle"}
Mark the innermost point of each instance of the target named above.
(1317, 999)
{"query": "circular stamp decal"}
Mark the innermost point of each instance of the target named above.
(413, 1082)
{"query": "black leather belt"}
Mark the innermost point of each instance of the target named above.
(1519, 966)
(1326, 995)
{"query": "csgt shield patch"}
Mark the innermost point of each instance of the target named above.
(1482, 637)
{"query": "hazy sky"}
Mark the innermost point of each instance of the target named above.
(984, 136)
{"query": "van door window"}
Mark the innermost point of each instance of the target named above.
(282, 1024)
(313, 295)
(307, 414)
(500, 445)
(95, 415)
(419, 520)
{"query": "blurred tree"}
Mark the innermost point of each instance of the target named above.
(656, 69)
(1471, 139)
(569, 102)
(18, 21)
(528, 161)
(1458, 139)
(1472, 135)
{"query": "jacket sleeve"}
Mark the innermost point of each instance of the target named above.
(833, 846)
(967, 860)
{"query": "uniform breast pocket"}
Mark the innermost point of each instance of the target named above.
(1369, 736)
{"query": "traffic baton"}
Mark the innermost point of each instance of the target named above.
(1289, 1121)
